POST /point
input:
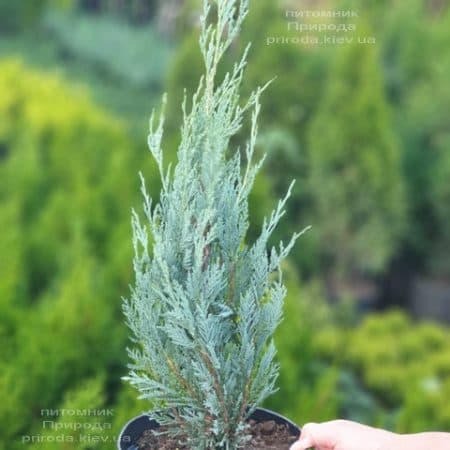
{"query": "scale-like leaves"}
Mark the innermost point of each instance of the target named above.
(205, 305)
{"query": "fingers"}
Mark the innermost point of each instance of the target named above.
(306, 440)
(302, 444)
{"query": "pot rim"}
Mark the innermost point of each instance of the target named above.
(289, 422)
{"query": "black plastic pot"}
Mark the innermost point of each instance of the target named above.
(135, 428)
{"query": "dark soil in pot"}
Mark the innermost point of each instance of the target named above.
(265, 436)
(269, 431)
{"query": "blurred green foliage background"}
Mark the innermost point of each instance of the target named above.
(365, 130)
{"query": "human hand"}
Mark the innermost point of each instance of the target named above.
(344, 435)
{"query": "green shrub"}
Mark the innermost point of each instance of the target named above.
(426, 155)
(308, 384)
(136, 55)
(354, 166)
(67, 169)
(405, 363)
(439, 259)
(19, 15)
(416, 61)
(65, 430)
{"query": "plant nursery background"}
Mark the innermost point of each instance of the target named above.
(359, 115)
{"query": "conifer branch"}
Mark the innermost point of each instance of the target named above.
(204, 306)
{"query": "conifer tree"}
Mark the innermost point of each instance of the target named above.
(354, 166)
(205, 303)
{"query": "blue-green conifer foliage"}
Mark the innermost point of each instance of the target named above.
(205, 303)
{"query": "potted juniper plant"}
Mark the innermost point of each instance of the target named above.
(206, 303)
